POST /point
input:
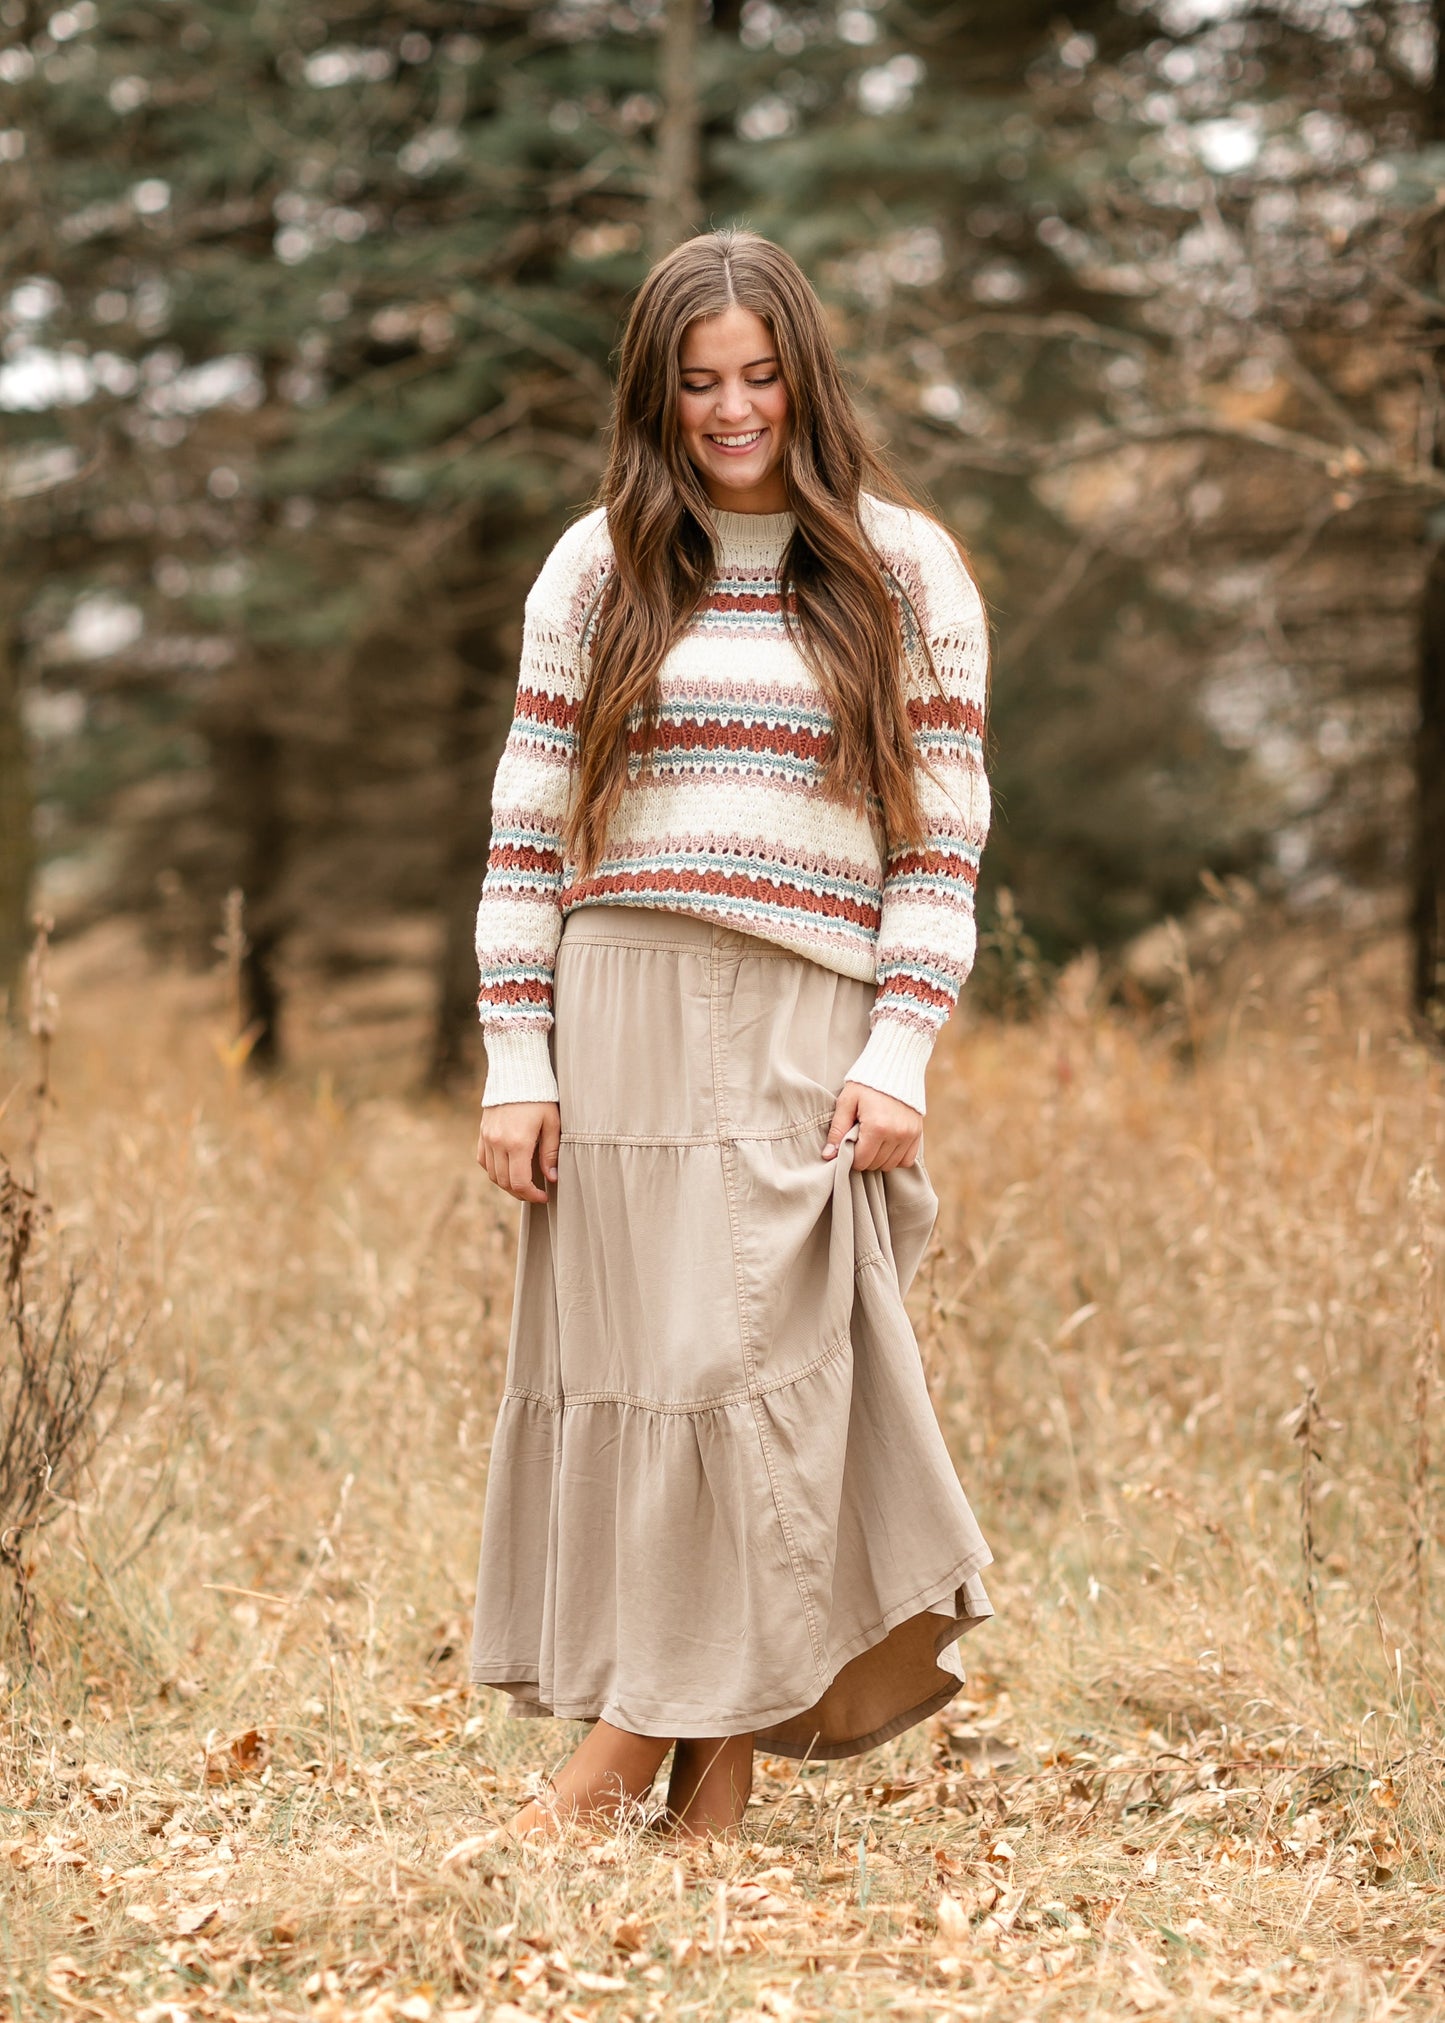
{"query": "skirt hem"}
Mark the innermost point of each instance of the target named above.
(521, 1683)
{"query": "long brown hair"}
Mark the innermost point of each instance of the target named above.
(662, 532)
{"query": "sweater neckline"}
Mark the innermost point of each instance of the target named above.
(753, 540)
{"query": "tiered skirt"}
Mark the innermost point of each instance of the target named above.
(719, 1501)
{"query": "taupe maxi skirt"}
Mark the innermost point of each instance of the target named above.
(719, 1501)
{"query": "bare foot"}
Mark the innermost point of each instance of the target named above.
(608, 1771)
(708, 1791)
(539, 1816)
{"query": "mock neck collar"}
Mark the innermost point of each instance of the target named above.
(752, 540)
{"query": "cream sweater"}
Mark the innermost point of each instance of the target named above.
(729, 822)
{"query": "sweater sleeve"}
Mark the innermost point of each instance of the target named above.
(927, 937)
(519, 919)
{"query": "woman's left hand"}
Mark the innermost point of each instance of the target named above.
(890, 1133)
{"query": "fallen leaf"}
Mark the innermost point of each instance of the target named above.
(754, 1901)
(142, 1913)
(467, 1850)
(953, 1920)
(196, 1918)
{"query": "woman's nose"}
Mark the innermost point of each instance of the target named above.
(733, 403)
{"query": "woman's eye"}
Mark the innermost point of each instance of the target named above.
(771, 380)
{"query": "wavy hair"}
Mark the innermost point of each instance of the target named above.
(660, 521)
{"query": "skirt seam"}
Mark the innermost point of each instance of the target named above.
(648, 1140)
(745, 1340)
(741, 1395)
(779, 953)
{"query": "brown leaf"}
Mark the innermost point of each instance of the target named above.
(245, 1755)
(466, 1851)
(756, 1902)
(195, 1918)
(953, 1920)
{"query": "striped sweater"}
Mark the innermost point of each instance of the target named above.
(729, 822)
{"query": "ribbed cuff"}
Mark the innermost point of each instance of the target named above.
(894, 1061)
(519, 1066)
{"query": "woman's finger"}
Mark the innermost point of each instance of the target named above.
(550, 1143)
(519, 1176)
(845, 1115)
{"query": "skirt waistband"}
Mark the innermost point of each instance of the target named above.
(660, 927)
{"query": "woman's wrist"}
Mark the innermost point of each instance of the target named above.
(895, 1061)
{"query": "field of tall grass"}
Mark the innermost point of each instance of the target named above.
(1181, 1322)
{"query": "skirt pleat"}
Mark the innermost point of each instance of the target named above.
(719, 1501)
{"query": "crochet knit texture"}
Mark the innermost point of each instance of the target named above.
(729, 821)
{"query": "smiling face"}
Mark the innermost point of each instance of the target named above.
(733, 411)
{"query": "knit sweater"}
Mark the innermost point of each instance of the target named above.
(729, 821)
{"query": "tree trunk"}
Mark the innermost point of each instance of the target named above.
(1428, 917)
(1433, 121)
(17, 850)
(248, 757)
(674, 206)
(1428, 880)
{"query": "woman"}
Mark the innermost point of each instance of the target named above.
(729, 904)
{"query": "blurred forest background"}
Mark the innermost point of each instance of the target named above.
(306, 316)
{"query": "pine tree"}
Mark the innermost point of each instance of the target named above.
(326, 296)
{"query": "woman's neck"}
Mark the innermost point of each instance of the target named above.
(769, 495)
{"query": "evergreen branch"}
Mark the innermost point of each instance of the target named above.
(1062, 323)
(1014, 459)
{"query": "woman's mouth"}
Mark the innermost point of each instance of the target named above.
(737, 445)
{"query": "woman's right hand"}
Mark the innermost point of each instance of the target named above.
(517, 1140)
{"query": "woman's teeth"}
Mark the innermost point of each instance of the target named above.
(737, 442)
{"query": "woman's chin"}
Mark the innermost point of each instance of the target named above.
(744, 488)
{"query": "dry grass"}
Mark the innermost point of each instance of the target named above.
(227, 1789)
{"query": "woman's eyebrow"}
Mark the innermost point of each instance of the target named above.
(751, 366)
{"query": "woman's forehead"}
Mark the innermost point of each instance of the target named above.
(730, 341)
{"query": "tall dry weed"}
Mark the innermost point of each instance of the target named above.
(1157, 1794)
(56, 1362)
